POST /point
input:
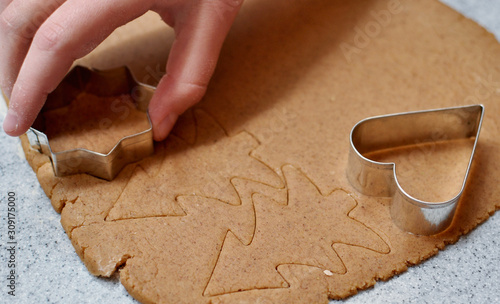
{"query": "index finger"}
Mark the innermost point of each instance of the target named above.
(71, 32)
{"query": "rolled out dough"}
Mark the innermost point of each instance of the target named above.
(247, 200)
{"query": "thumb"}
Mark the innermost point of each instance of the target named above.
(200, 33)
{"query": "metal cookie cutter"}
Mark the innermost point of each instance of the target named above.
(379, 179)
(105, 84)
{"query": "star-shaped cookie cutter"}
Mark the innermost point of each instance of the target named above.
(379, 179)
(106, 83)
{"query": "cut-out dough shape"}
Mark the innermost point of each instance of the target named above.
(301, 232)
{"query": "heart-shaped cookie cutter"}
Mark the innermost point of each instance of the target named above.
(104, 83)
(404, 129)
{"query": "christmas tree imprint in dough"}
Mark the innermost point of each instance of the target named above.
(159, 254)
(301, 232)
(204, 168)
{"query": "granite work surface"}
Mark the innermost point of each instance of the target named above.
(49, 270)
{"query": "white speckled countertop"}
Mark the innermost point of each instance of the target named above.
(51, 272)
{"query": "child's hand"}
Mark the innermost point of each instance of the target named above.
(40, 39)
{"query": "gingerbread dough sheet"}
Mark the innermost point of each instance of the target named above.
(247, 200)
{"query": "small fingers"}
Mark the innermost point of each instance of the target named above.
(200, 32)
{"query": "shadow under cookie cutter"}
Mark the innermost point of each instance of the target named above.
(106, 83)
(379, 179)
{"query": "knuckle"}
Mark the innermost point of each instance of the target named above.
(6, 22)
(185, 93)
(16, 25)
(225, 9)
(231, 4)
(50, 36)
(9, 24)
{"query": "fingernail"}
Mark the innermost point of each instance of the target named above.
(10, 123)
(164, 127)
